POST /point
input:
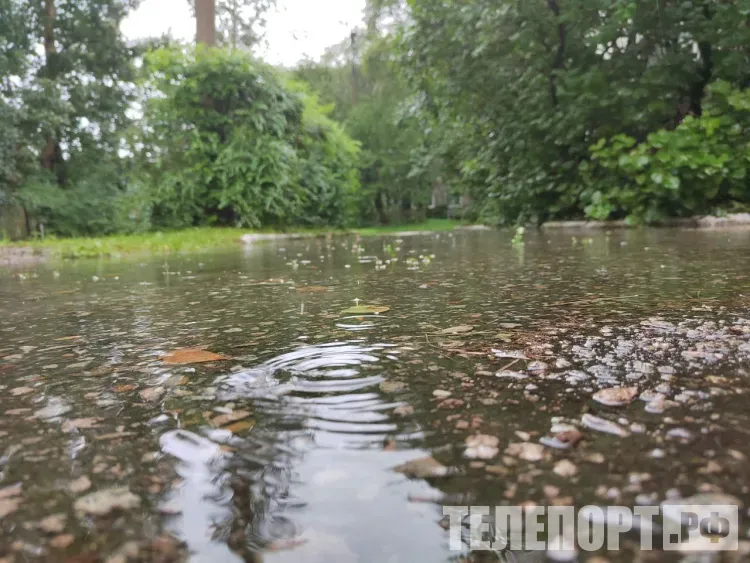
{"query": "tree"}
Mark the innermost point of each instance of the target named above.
(528, 87)
(231, 23)
(67, 108)
(205, 17)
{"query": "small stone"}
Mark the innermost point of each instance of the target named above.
(404, 410)
(441, 393)
(392, 386)
(53, 524)
(616, 396)
(481, 446)
(62, 541)
(526, 450)
(565, 468)
(103, 502)
(422, 468)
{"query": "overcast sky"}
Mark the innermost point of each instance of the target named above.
(296, 29)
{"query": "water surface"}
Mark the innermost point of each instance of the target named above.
(321, 405)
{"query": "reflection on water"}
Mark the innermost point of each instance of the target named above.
(320, 405)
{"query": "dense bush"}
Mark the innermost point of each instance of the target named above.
(701, 165)
(228, 141)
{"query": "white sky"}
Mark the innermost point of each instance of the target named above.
(297, 29)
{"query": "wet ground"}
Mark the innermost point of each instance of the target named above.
(228, 407)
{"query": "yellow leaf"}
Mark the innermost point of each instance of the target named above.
(191, 356)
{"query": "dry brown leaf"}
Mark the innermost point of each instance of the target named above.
(124, 388)
(241, 426)
(228, 418)
(191, 356)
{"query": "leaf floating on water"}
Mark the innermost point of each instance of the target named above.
(241, 426)
(603, 425)
(228, 418)
(422, 468)
(191, 356)
(366, 309)
(460, 329)
(616, 396)
(311, 289)
(481, 446)
(104, 502)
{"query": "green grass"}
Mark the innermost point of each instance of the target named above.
(188, 240)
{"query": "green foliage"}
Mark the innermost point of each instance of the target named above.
(700, 165)
(359, 79)
(232, 144)
(519, 90)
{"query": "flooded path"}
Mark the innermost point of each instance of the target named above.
(573, 369)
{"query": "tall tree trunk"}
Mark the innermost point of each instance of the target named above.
(205, 16)
(559, 62)
(51, 157)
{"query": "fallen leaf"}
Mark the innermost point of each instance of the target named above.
(365, 309)
(81, 484)
(460, 329)
(103, 502)
(616, 396)
(191, 356)
(422, 468)
(228, 418)
(238, 427)
(311, 289)
(124, 388)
